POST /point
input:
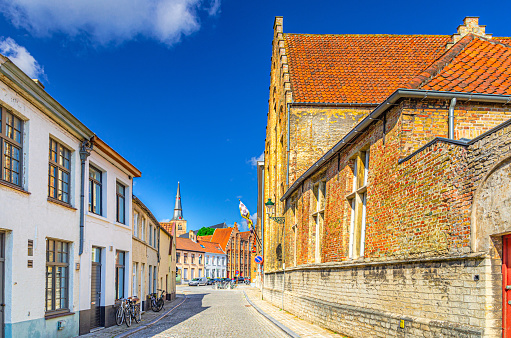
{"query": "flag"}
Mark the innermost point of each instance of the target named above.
(246, 215)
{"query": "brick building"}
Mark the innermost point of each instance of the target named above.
(237, 245)
(189, 260)
(389, 157)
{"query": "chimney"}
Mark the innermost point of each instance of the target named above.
(470, 26)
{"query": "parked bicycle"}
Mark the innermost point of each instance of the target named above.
(128, 310)
(157, 302)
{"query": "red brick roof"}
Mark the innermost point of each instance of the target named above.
(245, 235)
(222, 236)
(211, 247)
(205, 238)
(473, 65)
(357, 68)
(169, 226)
(188, 245)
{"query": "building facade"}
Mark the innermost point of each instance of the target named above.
(189, 259)
(145, 261)
(107, 248)
(167, 263)
(215, 263)
(395, 226)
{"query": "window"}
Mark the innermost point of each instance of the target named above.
(192, 275)
(150, 279)
(318, 216)
(59, 172)
(155, 278)
(135, 286)
(177, 257)
(185, 258)
(142, 229)
(155, 242)
(119, 274)
(57, 271)
(200, 259)
(185, 274)
(193, 258)
(11, 147)
(142, 279)
(357, 200)
(150, 235)
(135, 224)
(121, 191)
(95, 197)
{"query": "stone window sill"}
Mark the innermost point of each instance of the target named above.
(51, 315)
(13, 186)
(63, 204)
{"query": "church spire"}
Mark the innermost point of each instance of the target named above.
(178, 212)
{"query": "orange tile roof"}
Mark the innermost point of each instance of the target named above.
(205, 238)
(357, 68)
(473, 65)
(211, 247)
(222, 236)
(188, 245)
(245, 235)
(169, 226)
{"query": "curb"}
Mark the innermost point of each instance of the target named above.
(284, 328)
(142, 327)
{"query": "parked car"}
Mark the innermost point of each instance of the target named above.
(198, 281)
(241, 280)
(247, 281)
(210, 281)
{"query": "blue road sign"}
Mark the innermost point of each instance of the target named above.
(258, 259)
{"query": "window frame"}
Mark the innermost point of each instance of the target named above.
(136, 217)
(117, 197)
(6, 139)
(92, 195)
(59, 168)
(57, 264)
(358, 201)
(119, 266)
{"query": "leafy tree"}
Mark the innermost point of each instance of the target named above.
(205, 231)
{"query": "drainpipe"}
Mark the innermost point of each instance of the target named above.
(451, 118)
(85, 149)
(288, 127)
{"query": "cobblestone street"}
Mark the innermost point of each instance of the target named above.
(212, 313)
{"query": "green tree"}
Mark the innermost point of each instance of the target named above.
(205, 231)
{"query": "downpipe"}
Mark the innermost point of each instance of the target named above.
(451, 118)
(85, 149)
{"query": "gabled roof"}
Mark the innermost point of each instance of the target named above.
(212, 247)
(168, 226)
(357, 68)
(473, 65)
(245, 235)
(222, 236)
(205, 238)
(188, 245)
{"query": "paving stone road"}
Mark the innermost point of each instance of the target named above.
(212, 313)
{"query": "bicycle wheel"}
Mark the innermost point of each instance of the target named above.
(160, 304)
(119, 316)
(154, 306)
(136, 313)
(127, 316)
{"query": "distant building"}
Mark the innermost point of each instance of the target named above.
(216, 260)
(167, 261)
(177, 218)
(189, 260)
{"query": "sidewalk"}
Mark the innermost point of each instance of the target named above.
(148, 318)
(295, 325)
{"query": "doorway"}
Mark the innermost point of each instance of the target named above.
(95, 298)
(2, 284)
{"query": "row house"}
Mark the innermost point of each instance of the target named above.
(167, 261)
(215, 263)
(70, 258)
(237, 246)
(388, 157)
(189, 259)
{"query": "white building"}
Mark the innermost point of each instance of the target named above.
(45, 279)
(107, 252)
(215, 263)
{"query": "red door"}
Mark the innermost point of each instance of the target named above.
(506, 292)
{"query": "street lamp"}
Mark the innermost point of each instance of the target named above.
(270, 211)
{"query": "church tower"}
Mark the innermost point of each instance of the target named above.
(178, 215)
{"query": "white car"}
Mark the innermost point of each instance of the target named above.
(198, 281)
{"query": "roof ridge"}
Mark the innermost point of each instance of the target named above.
(368, 34)
(439, 64)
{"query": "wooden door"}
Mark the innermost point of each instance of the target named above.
(2, 283)
(95, 302)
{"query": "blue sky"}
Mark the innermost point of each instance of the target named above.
(180, 87)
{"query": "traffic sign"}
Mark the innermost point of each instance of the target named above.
(258, 259)
(237, 272)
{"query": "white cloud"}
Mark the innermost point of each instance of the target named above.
(103, 22)
(253, 160)
(20, 56)
(166, 220)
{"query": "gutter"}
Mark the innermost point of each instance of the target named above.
(378, 111)
(85, 149)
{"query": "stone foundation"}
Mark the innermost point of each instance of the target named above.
(433, 298)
